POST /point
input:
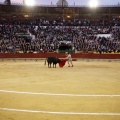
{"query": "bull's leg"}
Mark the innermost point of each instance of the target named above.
(50, 65)
(54, 65)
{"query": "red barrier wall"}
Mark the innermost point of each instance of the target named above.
(60, 55)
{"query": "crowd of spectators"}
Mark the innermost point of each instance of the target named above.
(47, 35)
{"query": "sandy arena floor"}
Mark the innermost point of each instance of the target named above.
(29, 90)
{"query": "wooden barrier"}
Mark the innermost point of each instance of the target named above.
(60, 55)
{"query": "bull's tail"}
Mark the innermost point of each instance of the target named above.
(45, 61)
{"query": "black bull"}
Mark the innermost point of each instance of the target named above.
(52, 60)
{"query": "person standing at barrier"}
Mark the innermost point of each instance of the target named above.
(69, 59)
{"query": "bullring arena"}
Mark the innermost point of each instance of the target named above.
(30, 90)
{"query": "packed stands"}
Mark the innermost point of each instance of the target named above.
(41, 34)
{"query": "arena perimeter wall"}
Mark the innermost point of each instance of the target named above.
(59, 55)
